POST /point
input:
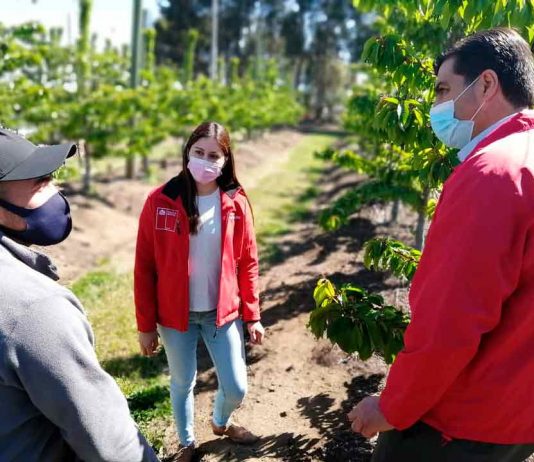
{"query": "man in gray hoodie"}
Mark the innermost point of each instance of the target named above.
(56, 402)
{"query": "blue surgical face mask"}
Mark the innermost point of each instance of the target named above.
(48, 224)
(451, 131)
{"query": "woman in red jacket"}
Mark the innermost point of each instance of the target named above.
(196, 274)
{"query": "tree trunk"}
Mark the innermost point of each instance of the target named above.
(146, 165)
(87, 168)
(395, 212)
(420, 231)
(320, 87)
(189, 57)
(421, 222)
(214, 39)
(298, 73)
(130, 167)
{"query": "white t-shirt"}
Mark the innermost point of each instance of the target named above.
(205, 255)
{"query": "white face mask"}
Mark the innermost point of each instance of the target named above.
(204, 171)
(451, 131)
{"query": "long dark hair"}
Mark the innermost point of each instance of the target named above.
(228, 179)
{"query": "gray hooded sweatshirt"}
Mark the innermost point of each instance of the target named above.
(56, 402)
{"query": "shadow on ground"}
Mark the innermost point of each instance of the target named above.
(324, 415)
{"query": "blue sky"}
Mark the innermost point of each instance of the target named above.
(110, 18)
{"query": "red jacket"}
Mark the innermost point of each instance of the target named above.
(161, 274)
(467, 368)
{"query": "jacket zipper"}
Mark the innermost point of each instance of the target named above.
(224, 224)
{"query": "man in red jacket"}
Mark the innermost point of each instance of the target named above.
(462, 389)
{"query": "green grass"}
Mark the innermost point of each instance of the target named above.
(280, 201)
(108, 299)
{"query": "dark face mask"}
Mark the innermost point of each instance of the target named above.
(48, 224)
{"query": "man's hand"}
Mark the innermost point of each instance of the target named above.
(367, 418)
(148, 342)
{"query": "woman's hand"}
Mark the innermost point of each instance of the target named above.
(256, 332)
(148, 342)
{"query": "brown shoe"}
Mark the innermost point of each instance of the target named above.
(185, 453)
(236, 433)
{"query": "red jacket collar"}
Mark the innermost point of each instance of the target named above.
(174, 186)
(520, 122)
(171, 192)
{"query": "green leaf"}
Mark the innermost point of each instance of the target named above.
(391, 100)
(377, 343)
(367, 48)
(324, 291)
(375, 299)
(345, 333)
(366, 349)
(319, 317)
(445, 16)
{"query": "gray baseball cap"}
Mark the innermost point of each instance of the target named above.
(20, 159)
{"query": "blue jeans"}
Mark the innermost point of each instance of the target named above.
(226, 347)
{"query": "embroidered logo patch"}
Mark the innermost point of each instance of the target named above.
(166, 219)
(233, 217)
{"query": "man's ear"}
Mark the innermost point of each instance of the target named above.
(12, 221)
(490, 82)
